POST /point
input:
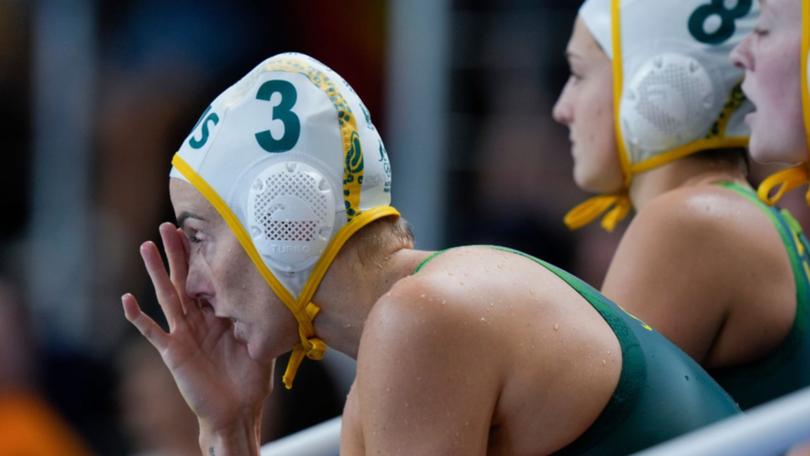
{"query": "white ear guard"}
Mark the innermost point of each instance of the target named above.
(291, 208)
(670, 101)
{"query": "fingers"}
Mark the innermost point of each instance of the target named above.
(173, 244)
(164, 288)
(147, 327)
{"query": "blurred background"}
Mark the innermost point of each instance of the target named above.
(97, 95)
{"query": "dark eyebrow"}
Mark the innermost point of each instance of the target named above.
(185, 215)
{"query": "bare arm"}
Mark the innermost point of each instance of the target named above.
(428, 379)
(674, 270)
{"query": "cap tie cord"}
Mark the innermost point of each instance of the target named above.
(305, 310)
(772, 189)
(612, 208)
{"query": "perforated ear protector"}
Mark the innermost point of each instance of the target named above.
(290, 212)
(668, 102)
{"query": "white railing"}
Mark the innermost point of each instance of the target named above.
(319, 440)
(771, 428)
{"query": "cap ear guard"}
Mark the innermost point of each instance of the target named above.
(291, 215)
(668, 102)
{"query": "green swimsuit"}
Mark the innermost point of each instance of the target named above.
(787, 368)
(661, 392)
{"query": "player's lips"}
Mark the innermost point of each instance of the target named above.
(239, 331)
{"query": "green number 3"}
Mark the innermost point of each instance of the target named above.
(282, 112)
(717, 8)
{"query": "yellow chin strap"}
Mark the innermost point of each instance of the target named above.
(791, 178)
(302, 308)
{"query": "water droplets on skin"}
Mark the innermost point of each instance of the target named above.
(556, 326)
(604, 362)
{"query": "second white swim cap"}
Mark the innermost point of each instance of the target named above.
(675, 90)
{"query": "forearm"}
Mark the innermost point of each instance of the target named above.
(237, 440)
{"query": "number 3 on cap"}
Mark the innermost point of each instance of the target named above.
(282, 112)
(717, 8)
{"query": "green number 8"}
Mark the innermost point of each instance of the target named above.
(697, 20)
(282, 112)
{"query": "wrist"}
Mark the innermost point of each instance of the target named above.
(238, 438)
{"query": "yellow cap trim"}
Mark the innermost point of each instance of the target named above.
(618, 88)
(234, 224)
(805, 51)
(688, 149)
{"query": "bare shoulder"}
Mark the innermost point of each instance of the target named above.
(475, 349)
(696, 213)
(693, 259)
(710, 221)
(414, 388)
(430, 307)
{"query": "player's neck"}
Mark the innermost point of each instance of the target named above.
(350, 290)
(685, 172)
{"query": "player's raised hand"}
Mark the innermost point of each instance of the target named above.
(221, 383)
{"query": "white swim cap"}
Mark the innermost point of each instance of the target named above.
(290, 159)
(675, 90)
(775, 186)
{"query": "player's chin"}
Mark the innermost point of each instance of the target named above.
(589, 179)
(767, 149)
(262, 350)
